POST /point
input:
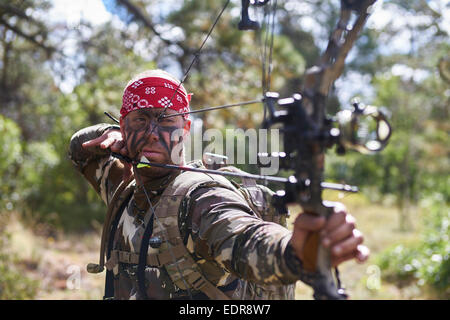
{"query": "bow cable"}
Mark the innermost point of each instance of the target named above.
(196, 56)
(268, 19)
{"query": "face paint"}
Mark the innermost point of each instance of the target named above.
(142, 130)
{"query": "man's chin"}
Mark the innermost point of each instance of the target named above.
(151, 171)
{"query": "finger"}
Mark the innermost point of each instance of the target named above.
(303, 226)
(348, 245)
(124, 151)
(107, 143)
(341, 232)
(117, 146)
(363, 254)
(337, 261)
(309, 222)
(94, 142)
(127, 165)
(336, 219)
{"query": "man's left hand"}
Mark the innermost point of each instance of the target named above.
(338, 233)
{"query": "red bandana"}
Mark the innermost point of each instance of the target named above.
(154, 92)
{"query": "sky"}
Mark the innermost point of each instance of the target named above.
(72, 12)
(94, 11)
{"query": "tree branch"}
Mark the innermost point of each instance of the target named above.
(138, 14)
(48, 50)
(19, 13)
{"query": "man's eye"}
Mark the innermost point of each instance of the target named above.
(165, 120)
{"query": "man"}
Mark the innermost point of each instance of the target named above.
(205, 240)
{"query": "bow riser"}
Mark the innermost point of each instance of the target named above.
(305, 142)
(318, 82)
(308, 133)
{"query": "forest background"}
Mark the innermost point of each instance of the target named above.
(59, 74)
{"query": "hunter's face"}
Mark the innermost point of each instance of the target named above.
(159, 141)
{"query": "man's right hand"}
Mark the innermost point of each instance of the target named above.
(112, 139)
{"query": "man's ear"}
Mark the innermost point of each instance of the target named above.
(122, 126)
(187, 126)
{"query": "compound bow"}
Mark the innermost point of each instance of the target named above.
(309, 132)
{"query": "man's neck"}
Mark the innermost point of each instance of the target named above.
(157, 183)
(152, 177)
(153, 188)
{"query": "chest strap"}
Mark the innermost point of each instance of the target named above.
(153, 259)
(195, 279)
(177, 257)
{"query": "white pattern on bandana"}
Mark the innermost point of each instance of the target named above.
(165, 102)
(154, 93)
(136, 84)
(150, 90)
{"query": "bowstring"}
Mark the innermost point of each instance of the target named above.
(259, 39)
(272, 34)
(261, 52)
(161, 115)
(266, 71)
(266, 49)
(196, 56)
(267, 55)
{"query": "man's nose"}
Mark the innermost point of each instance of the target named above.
(153, 131)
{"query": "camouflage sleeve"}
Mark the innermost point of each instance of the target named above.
(224, 229)
(101, 170)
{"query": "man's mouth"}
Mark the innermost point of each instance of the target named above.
(150, 153)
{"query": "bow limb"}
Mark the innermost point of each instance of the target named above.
(335, 71)
(312, 147)
(320, 78)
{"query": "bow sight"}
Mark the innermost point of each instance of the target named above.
(362, 128)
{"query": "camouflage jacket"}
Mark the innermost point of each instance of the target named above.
(219, 228)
